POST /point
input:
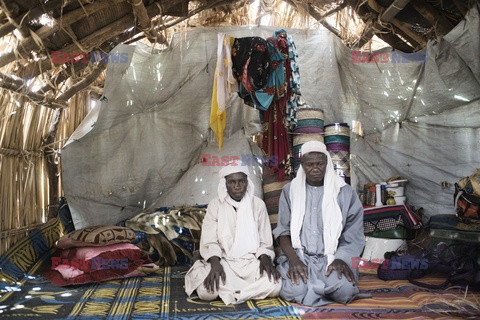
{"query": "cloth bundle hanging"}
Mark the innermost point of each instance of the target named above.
(269, 80)
(251, 67)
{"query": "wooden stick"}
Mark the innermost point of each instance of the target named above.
(460, 7)
(314, 13)
(30, 43)
(82, 84)
(20, 153)
(152, 10)
(429, 12)
(145, 23)
(32, 13)
(400, 25)
(63, 75)
(393, 9)
(386, 16)
(18, 86)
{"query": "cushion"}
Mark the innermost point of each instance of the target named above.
(386, 218)
(96, 264)
(96, 236)
(173, 242)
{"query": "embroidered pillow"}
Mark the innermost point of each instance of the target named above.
(96, 236)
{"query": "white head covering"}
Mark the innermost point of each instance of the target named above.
(331, 213)
(246, 233)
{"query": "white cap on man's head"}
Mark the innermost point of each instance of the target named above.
(233, 167)
(313, 146)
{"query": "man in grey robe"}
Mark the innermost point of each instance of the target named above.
(320, 230)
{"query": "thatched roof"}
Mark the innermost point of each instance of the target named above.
(32, 31)
(42, 102)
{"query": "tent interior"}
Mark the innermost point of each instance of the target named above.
(106, 114)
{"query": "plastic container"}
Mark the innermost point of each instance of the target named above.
(400, 199)
(395, 190)
(378, 195)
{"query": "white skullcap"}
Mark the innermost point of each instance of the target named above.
(233, 167)
(314, 146)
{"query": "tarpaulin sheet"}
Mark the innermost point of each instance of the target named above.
(420, 120)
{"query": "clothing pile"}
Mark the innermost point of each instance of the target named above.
(266, 72)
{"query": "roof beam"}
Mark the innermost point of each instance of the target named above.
(460, 6)
(19, 86)
(85, 82)
(440, 23)
(145, 23)
(31, 43)
(317, 16)
(99, 38)
(398, 24)
(321, 19)
(386, 16)
(63, 75)
(209, 5)
(393, 9)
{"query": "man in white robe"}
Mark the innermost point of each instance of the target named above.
(236, 245)
(320, 230)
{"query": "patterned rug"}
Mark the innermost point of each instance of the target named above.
(157, 296)
(162, 296)
(399, 299)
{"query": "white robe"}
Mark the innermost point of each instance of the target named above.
(243, 280)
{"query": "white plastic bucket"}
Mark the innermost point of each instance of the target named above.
(395, 190)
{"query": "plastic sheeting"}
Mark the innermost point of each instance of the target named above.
(420, 120)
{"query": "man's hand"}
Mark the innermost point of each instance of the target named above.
(297, 269)
(342, 268)
(212, 281)
(267, 265)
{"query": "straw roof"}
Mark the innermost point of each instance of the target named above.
(42, 102)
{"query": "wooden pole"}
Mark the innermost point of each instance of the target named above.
(440, 23)
(400, 25)
(30, 43)
(145, 23)
(386, 16)
(70, 92)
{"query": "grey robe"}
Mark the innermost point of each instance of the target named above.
(321, 290)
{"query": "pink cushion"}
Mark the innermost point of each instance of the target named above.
(96, 264)
(88, 253)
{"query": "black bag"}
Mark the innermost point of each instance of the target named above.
(458, 262)
(393, 268)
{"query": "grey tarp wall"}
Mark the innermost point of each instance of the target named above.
(420, 121)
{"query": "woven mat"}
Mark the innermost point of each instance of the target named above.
(162, 296)
(157, 296)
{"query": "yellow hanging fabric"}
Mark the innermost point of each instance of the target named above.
(223, 85)
(217, 118)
